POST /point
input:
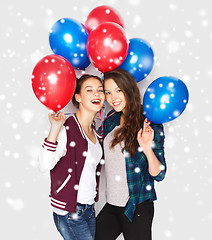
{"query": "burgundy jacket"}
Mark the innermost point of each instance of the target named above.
(65, 176)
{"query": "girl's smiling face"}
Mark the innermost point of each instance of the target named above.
(91, 95)
(114, 95)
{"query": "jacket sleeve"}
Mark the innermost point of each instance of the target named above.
(158, 149)
(51, 153)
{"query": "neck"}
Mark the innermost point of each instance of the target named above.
(86, 119)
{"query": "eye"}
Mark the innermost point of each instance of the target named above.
(101, 90)
(119, 90)
(89, 90)
(107, 93)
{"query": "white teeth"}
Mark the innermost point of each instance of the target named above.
(95, 101)
(115, 104)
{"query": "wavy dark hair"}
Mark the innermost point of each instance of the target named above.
(78, 88)
(132, 117)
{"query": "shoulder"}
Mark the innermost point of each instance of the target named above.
(73, 127)
(112, 116)
(112, 120)
(70, 119)
(71, 122)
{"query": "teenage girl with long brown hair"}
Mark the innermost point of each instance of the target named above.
(134, 159)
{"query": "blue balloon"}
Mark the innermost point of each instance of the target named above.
(165, 99)
(68, 38)
(85, 64)
(139, 60)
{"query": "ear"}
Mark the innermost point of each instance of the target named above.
(78, 98)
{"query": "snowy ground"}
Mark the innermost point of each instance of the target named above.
(181, 37)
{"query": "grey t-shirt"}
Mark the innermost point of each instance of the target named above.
(117, 191)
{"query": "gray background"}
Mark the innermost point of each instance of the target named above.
(181, 37)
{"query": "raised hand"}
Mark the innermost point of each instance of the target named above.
(145, 136)
(57, 119)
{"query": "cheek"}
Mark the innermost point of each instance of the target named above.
(103, 96)
(107, 98)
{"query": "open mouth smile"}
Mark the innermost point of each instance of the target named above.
(96, 101)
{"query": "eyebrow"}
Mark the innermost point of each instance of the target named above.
(93, 86)
(115, 89)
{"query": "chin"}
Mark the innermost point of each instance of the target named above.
(118, 109)
(97, 109)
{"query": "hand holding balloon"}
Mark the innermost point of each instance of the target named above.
(145, 136)
(57, 119)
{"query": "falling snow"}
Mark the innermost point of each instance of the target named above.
(181, 37)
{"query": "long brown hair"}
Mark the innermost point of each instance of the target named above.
(133, 120)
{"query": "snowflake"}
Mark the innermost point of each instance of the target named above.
(73, 144)
(137, 170)
(17, 204)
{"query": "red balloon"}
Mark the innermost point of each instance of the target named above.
(102, 14)
(107, 46)
(54, 81)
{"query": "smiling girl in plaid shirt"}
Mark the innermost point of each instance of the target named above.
(134, 159)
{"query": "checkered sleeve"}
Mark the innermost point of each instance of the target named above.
(158, 149)
(99, 130)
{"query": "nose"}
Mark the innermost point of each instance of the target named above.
(113, 96)
(96, 92)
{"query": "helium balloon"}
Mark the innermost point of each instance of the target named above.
(54, 82)
(85, 64)
(140, 59)
(165, 99)
(102, 14)
(107, 46)
(68, 38)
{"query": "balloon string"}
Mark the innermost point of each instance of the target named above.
(102, 73)
(64, 113)
(147, 121)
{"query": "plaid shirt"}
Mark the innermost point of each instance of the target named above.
(140, 182)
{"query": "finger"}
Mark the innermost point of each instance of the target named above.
(146, 125)
(139, 132)
(63, 115)
(57, 113)
(147, 121)
(51, 114)
(149, 128)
